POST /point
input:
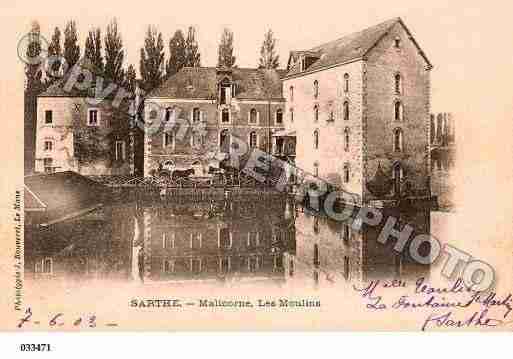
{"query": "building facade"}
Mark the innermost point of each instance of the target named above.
(194, 116)
(233, 240)
(360, 106)
(74, 132)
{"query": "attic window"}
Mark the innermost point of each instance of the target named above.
(303, 63)
(397, 42)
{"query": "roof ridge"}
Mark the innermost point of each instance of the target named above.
(392, 22)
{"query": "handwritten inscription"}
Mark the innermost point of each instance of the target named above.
(445, 303)
(59, 320)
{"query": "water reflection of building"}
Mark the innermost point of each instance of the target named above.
(332, 252)
(442, 150)
(95, 245)
(217, 241)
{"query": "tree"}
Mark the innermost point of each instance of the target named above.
(33, 67)
(114, 54)
(225, 56)
(192, 54)
(177, 53)
(33, 87)
(93, 49)
(71, 47)
(268, 57)
(54, 53)
(151, 65)
(130, 79)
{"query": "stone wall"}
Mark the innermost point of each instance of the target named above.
(69, 119)
(383, 63)
(185, 152)
(331, 155)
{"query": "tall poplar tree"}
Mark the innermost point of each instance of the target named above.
(93, 49)
(192, 54)
(177, 53)
(33, 67)
(130, 79)
(268, 57)
(114, 54)
(54, 53)
(225, 57)
(71, 47)
(151, 65)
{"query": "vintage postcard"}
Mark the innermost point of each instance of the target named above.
(256, 166)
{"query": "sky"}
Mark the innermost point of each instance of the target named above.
(458, 37)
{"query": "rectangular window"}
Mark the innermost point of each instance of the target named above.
(48, 117)
(253, 239)
(196, 115)
(347, 175)
(195, 241)
(195, 265)
(279, 117)
(48, 146)
(168, 241)
(120, 150)
(169, 266)
(224, 265)
(278, 262)
(225, 116)
(92, 119)
(253, 264)
(48, 165)
(47, 266)
(225, 238)
(168, 139)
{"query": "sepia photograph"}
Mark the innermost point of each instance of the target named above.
(256, 167)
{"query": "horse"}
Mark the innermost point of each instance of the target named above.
(177, 174)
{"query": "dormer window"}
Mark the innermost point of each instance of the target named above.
(225, 92)
(397, 42)
(303, 63)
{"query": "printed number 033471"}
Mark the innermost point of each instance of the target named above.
(35, 347)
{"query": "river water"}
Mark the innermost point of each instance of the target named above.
(272, 241)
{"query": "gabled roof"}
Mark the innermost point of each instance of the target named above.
(58, 88)
(201, 83)
(350, 47)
